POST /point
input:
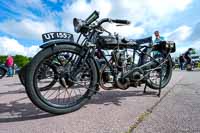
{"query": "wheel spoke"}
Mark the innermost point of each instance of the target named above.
(54, 82)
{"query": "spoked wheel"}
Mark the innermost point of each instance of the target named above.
(46, 76)
(154, 76)
(2, 72)
(21, 74)
(44, 71)
(189, 67)
(75, 82)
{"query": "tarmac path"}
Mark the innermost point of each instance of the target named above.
(114, 111)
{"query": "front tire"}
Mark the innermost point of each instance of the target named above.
(61, 104)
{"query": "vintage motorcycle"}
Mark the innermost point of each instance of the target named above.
(74, 72)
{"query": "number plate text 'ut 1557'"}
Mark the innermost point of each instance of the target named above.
(57, 35)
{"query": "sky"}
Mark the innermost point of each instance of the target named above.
(22, 22)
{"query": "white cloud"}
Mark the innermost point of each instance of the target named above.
(27, 28)
(150, 12)
(82, 9)
(181, 37)
(126, 31)
(10, 46)
(180, 34)
(163, 8)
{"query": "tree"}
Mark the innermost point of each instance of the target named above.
(19, 60)
(2, 59)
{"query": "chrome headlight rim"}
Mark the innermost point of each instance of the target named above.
(78, 24)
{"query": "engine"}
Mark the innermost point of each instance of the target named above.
(122, 63)
(119, 57)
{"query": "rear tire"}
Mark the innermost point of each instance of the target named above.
(165, 79)
(189, 67)
(21, 74)
(2, 72)
(48, 105)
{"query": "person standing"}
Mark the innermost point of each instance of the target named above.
(181, 62)
(187, 54)
(158, 37)
(9, 64)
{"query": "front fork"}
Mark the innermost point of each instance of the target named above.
(86, 52)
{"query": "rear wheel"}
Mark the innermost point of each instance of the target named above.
(21, 74)
(189, 67)
(154, 76)
(75, 82)
(42, 72)
(2, 72)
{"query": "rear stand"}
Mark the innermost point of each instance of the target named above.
(160, 84)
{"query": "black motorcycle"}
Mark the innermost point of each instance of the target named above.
(74, 71)
(3, 71)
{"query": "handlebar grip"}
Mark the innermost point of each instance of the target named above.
(121, 21)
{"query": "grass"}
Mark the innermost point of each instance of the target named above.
(139, 119)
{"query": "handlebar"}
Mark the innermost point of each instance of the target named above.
(103, 21)
(86, 25)
(120, 21)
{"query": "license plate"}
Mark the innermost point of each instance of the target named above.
(57, 35)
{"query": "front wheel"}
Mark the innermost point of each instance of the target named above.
(75, 81)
